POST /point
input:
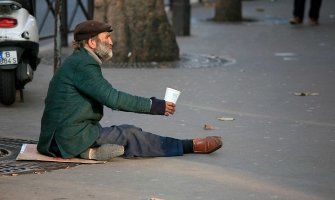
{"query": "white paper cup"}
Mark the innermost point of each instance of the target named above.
(171, 95)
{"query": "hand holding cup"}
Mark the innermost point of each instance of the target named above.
(171, 97)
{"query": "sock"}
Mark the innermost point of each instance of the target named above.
(187, 146)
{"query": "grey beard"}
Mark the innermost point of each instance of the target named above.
(103, 51)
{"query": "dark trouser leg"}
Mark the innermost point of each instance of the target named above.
(299, 9)
(314, 9)
(139, 143)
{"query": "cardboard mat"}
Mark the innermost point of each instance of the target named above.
(29, 152)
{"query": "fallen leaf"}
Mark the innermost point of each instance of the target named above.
(260, 9)
(209, 127)
(226, 118)
(306, 94)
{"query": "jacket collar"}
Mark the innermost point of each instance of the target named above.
(95, 57)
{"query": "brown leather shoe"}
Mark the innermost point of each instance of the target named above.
(313, 22)
(207, 145)
(296, 20)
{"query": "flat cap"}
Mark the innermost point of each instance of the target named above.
(90, 28)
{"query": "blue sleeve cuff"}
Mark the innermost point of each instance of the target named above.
(157, 106)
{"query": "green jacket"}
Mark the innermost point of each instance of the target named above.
(74, 105)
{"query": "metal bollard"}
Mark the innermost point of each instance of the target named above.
(181, 17)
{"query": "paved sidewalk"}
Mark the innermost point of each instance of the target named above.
(280, 146)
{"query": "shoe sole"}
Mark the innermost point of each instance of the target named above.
(105, 152)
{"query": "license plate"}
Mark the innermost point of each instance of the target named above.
(8, 57)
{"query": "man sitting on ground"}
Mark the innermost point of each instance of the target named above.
(74, 106)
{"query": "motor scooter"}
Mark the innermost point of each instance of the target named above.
(19, 47)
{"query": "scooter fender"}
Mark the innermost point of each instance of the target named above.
(25, 30)
(19, 51)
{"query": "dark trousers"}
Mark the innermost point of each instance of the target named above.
(138, 143)
(314, 10)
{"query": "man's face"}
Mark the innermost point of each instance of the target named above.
(104, 46)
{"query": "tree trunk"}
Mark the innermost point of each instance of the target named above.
(141, 30)
(228, 10)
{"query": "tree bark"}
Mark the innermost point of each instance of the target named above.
(228, 10)
(141, 30)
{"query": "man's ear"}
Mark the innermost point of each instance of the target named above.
(92, 43)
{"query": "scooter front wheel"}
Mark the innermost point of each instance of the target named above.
(7, 87)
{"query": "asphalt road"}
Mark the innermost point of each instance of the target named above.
(280, 146)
